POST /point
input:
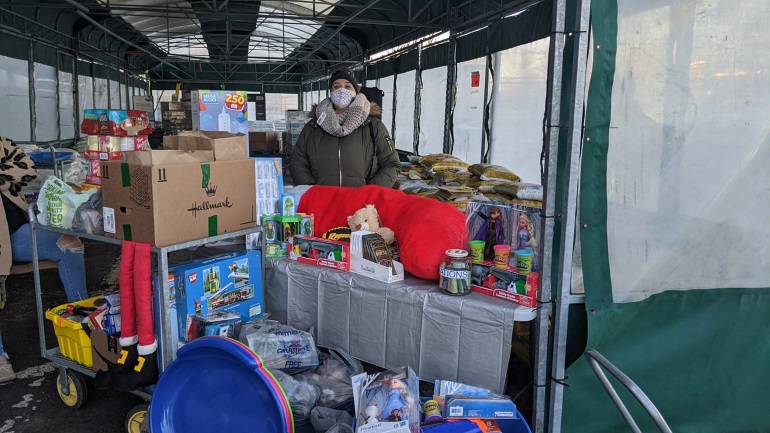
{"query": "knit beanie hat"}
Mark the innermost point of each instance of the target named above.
(345, 76)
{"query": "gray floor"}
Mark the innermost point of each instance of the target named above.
(31, 403)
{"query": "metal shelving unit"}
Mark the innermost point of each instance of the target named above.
(166, 353)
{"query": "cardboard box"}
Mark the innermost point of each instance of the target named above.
(176, 106)
(269, 177)
(91, 155)
(296, 119)
(264, 141)
(489, 407)
(229, 283)
(368, 268)
(224, 145)
(320, 252)
(220, 110)
(150, 198)
(118, 123)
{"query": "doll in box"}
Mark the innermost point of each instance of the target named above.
(526, 238)
(397, 401)
(492, 232)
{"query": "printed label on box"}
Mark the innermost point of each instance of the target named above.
(108, 215)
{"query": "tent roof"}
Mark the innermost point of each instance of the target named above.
(230, 41)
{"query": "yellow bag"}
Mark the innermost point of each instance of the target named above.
(493, 172)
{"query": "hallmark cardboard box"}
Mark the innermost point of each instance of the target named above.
(166, 197)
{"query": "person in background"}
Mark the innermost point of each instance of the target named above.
(345, 142)
(16, 170)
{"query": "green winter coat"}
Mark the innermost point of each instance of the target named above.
(320, 158)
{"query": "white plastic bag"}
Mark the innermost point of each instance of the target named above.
(58, 202)
(282, 346)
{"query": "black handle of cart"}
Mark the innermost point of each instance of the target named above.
(166, 353)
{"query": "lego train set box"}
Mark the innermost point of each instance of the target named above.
(226, 283)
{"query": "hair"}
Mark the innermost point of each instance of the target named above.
(497, 209)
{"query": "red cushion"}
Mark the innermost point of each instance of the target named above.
(425, 228)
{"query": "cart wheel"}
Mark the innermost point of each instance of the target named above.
(77, 389)
(136, 420)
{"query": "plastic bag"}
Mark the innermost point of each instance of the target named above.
(493, 172)
(88, 216)
(324, 419)
(302, 395)
(340, 428)
(58, 202)
(282, 346)
(332, 392)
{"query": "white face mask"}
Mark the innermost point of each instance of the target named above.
(342, 97)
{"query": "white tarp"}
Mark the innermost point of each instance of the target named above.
(688, 170)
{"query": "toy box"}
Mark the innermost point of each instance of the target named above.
(360, 265)
(280, 229)
(229, 282)
(489, 407)
(269, 177)
(321, 252)
(220, 110)
(515, 225)
(388, 401)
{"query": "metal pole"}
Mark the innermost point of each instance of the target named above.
(56, 97)
(579, 32)
(417, 102)
(451, 84)
(32, 110)
(395, 103)
(551, 144)
(486, 120)
(75, 94)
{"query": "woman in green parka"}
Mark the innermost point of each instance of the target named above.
(345, 142)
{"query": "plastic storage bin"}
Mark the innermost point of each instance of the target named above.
(73, 341)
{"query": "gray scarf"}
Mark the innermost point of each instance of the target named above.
(340, 125)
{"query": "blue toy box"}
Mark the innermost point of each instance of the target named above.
(230, 282)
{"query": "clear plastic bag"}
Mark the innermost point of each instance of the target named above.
(324, 419)
(332, 391)
(302, 395)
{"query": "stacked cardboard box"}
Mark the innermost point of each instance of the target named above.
(295, 121)
(264, 141)
(177, 116)
(203, 186)
(111, 132)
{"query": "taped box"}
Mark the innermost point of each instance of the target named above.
(167, 197)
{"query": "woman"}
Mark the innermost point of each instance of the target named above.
(344, 143)
(16, 170)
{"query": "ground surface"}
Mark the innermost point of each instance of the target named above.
(31, 403)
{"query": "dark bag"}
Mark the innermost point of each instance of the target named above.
(373, 94)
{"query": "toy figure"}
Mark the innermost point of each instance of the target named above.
(197, 307)
(525, 236)
(270, 231)
(397, 399)
(393, 417)
(371, 414)
(492, 232)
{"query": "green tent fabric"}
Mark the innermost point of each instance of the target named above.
(700, 355)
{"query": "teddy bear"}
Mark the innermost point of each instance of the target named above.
(367, 218)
